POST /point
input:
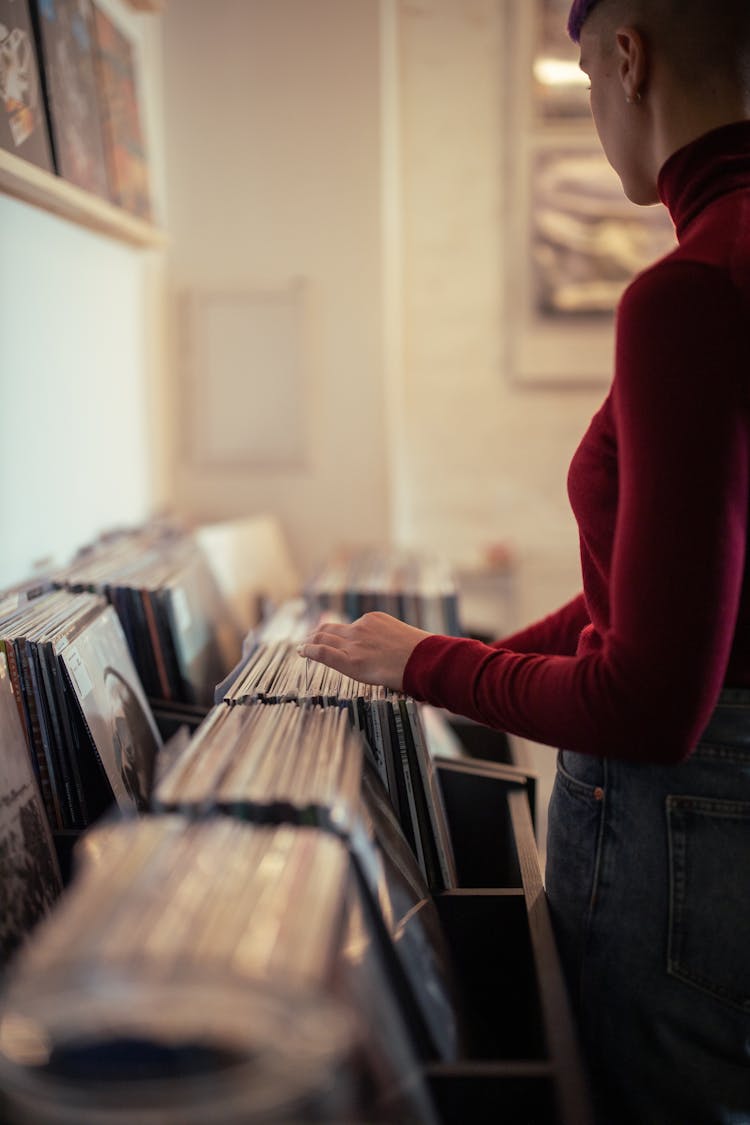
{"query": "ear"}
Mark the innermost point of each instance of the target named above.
(632, 61)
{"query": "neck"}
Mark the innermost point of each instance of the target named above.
(681, 116)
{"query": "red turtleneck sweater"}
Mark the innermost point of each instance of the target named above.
(633, 667)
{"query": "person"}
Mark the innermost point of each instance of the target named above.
(643, 679)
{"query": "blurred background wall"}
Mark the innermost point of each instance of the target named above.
(343, 164)
(364, 148)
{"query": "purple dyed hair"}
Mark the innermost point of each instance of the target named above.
(579, 13)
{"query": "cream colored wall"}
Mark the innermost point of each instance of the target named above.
(487, 456)
(365, 147)
(273, 174)
(80, 366)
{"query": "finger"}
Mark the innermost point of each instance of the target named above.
(335, 658)
(333, 628)
(323, 637)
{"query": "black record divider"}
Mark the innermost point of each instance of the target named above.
(170, 716)
(520, 1063)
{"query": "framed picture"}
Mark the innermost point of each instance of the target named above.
(559, 86)
(125, 149)
(67, 47)
(23, 123)
(586, 239)
(576, 241)
(246, 389)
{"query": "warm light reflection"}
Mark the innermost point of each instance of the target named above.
(558, 72)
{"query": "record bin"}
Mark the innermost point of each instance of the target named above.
(521, 1062)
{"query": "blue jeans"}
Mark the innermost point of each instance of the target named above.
(648, 881)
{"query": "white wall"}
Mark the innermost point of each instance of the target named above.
(273, 174)
(301, 144)
(79, 369)
(486, 456)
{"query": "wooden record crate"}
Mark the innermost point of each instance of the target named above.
(521, 1063)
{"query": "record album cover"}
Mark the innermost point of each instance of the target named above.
(67, 47)
(114, 707)
(123, 133)
(23, 124)
(29, 873)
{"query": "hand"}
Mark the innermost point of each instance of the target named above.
(374, 649)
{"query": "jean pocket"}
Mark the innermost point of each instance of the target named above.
(574, 826)
(709, 908)
(580, 775)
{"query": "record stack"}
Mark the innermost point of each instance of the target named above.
(181, 634)
(89, 730)
(416, 588)
(306, 765)
(274, 672)
(29, 873)
(207, 971)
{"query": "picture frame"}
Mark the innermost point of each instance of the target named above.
(24, 129)
(66, 44)
(119, 97)
(575, 240)
(244, 355)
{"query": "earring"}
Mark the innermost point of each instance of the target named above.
(634, 99)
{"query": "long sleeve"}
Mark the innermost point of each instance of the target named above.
(660, 490)
(557, 633)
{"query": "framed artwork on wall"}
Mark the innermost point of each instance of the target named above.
(23, 122)
(575, 239)
(244, 360)
(559, 86)
(127, 159)
(67, 48)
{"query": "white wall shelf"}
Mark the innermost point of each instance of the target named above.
(26, 182)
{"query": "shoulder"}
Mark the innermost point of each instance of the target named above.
(677, 282)
(683, 305)
(683, 321)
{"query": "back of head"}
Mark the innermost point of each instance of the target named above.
(702, 41)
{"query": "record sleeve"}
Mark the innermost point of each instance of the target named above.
(39, 765)
(29, 873)
(118, 93)
(379, 737)
(413, 927)
(77, 739)
(392, 1082)
(43, 749)
(205, 641)
(23, 122)
(67, 47)
(47, 718)
(105, 683)
(433, 795)
(130, 610)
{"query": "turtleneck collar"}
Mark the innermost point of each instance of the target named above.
(707, 168)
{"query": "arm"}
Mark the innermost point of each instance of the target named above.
(679, 544)
(557, 633)
(375, 648)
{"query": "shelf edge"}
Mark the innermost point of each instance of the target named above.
(30, 184)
